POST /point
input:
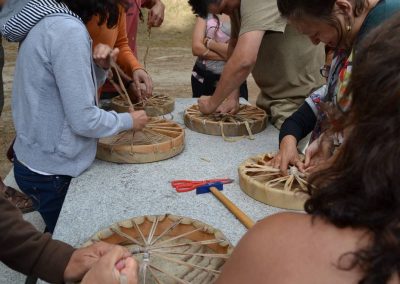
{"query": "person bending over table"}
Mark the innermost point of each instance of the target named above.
(340, 24)
(351, 233)
(284, 64)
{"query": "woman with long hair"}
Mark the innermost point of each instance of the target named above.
(341, 25)
(54, 105)
(351, 233)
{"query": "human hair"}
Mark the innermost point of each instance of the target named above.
(361, 189)
(107, 10)
(319, 9)
(200, 7)
(216, 28)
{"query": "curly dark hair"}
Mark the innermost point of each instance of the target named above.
(319, 9)
(362, 188)
(108, 10)
(200, 7)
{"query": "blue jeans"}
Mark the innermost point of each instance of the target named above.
(47, 192)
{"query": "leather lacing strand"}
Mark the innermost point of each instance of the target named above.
(156, 131)
(261, 171)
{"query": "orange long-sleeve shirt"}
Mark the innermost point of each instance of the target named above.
(116, 38)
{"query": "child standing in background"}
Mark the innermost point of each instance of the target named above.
(210, 44)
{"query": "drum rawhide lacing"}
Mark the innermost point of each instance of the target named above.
(247, 116)
(155, 131)
(171, 249)
(121, 88)
(159, 102)
(272, 177)
(160, 139)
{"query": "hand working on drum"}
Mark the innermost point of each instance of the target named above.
(139, 119)
(142, 79)
(229, 105)
(115, 267)
(318, 155)
(287, 155)
(101, 263)
(103, 55)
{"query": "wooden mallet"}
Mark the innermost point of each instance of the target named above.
(215, 189)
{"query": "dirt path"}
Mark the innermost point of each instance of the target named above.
(6, 126)
(169, 62)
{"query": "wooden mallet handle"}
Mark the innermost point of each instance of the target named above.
(246, 221)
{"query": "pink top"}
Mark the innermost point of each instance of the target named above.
(219, 33)
(132, 21)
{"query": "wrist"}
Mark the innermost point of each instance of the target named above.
(235, 95)
(140, 68)
(104, 68)
(70, 272)
(288, 140)
(208, 43)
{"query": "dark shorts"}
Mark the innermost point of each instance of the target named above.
(205, 82)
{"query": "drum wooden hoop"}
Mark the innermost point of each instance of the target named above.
(170, 134)
(260, 190)
(227, 125)
(169, 247)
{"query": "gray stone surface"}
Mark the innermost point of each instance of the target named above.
(107, 192)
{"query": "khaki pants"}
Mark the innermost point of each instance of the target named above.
(278, 109)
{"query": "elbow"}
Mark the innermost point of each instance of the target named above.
(197, 50)
(247, 64)
(244, 62)
(87, 124)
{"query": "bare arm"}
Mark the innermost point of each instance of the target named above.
(219, 47)
(198, 47)
(237, 68)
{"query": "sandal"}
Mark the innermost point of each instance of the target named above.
(19, 199)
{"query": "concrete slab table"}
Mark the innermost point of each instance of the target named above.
(107, 193)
